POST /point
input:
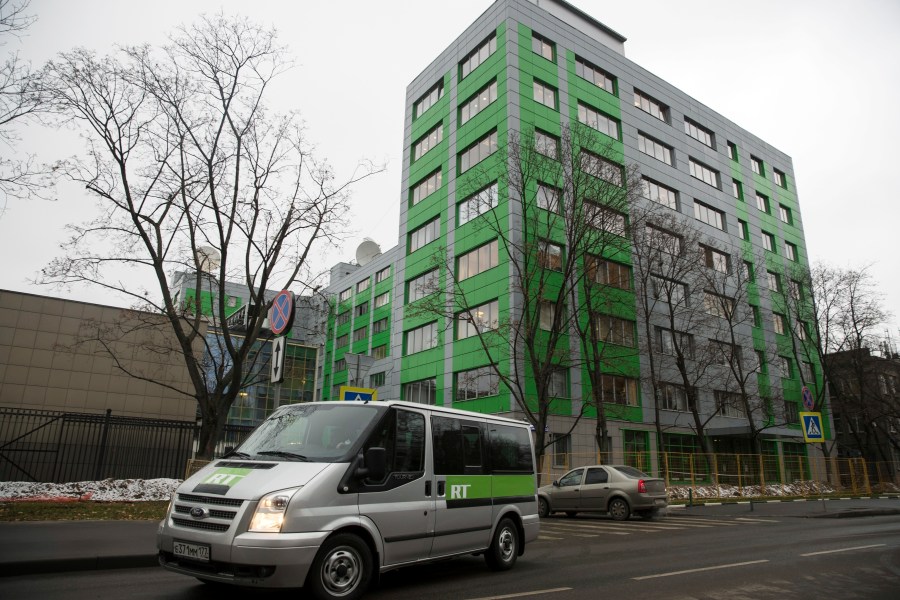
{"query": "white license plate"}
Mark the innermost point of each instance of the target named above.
(193, 551)
(660, 502)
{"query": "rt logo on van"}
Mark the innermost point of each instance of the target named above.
(227, 477)
(459, 492)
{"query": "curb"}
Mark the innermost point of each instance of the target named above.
(861, 512)
(88, 563)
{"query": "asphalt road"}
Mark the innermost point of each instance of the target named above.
(733, 554)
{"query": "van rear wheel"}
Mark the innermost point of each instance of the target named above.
(342, 568)
(504, 549)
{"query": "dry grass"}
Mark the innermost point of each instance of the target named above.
(82, 511)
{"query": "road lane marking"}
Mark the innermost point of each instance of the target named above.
(843, 550)
(547, 537)
(756, 520)
(687, 571)
(522, 594)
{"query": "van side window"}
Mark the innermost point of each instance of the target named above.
(457, 446)
(510, 449)
(402, 435)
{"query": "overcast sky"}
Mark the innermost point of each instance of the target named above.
(817, 79)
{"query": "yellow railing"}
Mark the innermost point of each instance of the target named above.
(742, 475)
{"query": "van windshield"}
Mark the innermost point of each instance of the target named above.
(310, 432)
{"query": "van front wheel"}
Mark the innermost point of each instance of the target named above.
(342, 568)
(504, 550)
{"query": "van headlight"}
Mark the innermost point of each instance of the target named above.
(269, 514)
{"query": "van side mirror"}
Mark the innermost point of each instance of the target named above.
(375, 465)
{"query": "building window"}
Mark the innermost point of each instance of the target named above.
(478, 103)
(477, 261)
(662, 240)
(649, 105)
(672, 397)
(699, 133)
(428, 141)
(550, 255)
(379, 352)
(479, 319)
(714, 259)
(421, 392)
(600, 167)
(477, 152)
(597, 120)
(359, 334)
(477, 383)
(478, 203)
(729, 404)
(802, 328)
(757, 319)
(426, 187)
(653, 148)
(768, 241)
(343, 318)
(717, 305)
(743, 230)
(345, 294)
(340, 365)
(774, 281)
(704, 173)
(614, 330)
(545, 94)
(656, 192)
(791, 413)
(425, 234)
(807, 372)
(429, 99)
(796, 289)
(558, 386)
(421, 286)
(747, 271)
(382, 275)
(376, 379)
(756, 165)
(670, 291)
(548, 198)
(780, 178)
(382, 299)
(341, 341)
(595, 75)
(619, 390)
(732, 151)
(784, 213)
(709, 215)
(547, 315)
(477, 56)
(790, 250)
(605, 219)
(608, 273)
(762, 203)
(665, 339)
(546, 144)
(421, 338)
(760, 360)
(778, 323)
(361, 309)
(562, 446)
(362, 286)
(542, 46)
(737, 190)
(380, 325)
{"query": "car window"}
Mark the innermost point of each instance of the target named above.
(572, 478)
(596, 475)
(631, 472)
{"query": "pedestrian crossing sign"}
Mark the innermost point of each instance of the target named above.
(356, 394)
(812, 427)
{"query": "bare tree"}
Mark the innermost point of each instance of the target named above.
(567, 200)
(19, 99)
(197, 181)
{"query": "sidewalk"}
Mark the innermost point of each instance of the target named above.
(55, 546)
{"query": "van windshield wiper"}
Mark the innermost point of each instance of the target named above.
(236, 453)
(284, 454)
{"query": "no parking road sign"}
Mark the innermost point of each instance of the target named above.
(812, 426)
(282, 312)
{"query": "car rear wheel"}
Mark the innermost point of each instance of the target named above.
(543, 508)
(504, 549)
(619, 509)
(342, 568)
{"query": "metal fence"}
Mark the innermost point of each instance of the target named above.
(49, 446)
(742, 475)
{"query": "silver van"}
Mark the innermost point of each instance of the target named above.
(327, 495)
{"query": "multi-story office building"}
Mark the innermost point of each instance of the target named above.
(545, 69)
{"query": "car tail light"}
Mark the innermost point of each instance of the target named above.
(642, 487)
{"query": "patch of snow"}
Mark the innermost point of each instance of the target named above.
(108, 490)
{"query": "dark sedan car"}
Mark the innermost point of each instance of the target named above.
(619, 490)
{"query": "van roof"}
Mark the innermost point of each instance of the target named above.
(440, 409)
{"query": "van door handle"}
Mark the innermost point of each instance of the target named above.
(428, 488)
(441, 488)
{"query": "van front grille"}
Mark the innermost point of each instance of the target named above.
(208, 526)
